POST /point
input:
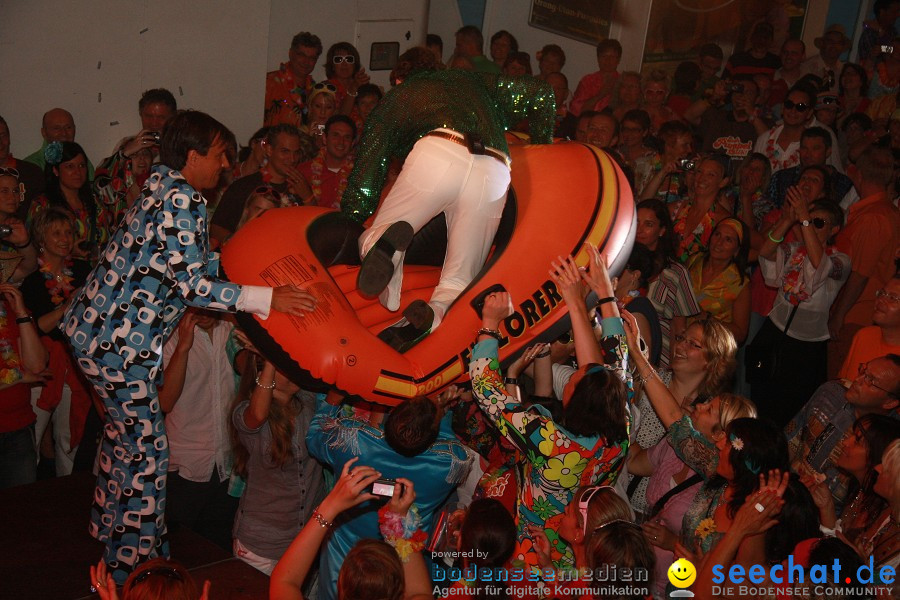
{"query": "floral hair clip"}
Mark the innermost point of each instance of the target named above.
(736, 442)
(53, 153)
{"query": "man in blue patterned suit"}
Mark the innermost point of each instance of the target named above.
(155, 265)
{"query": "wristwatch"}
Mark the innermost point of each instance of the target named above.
(806, 222)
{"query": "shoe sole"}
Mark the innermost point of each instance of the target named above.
(420, 314)
(378, 267)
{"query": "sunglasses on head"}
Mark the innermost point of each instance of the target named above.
(349, 59)
(325, 86)
(585, 501)
(9, 171)
(164, 571)
(798, 106)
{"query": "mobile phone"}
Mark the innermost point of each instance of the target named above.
(383, 487)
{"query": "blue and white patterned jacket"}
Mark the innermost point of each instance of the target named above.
(157, 263)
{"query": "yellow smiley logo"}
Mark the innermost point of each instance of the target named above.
(682, 573)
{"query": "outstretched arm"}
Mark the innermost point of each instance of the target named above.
(295, 563)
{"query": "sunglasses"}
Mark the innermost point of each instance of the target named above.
(565, 338)
(585, 501)
(325, 86)
(826, 100)
(164, 571)
(9, 171)
(349, 59)
(818, 223)
(798, 106)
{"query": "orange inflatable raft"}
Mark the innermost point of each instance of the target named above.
(561, 197)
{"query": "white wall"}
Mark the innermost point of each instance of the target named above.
(209, 53)
(629, 26)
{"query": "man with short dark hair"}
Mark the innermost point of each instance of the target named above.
(424, 450)
(470, 44)
(756, 59)
(283, 154)
(114, 174)
(156, 265)
(57, 125)
(595, 89)
(288, 88)
(598, 128)
(815, 149)
(327, 173)
(731, 131)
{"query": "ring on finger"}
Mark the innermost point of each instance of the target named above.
(759, 507)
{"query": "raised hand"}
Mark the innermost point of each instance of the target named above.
(567, 277)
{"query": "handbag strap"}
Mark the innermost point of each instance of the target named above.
(791, 318)
(661, 503)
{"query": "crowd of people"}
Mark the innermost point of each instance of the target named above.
(732, 398)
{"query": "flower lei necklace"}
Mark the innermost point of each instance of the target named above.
(60, 286)
(9, 359)
(793, 284)
(317, 167)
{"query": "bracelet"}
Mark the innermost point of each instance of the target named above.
(644, 378)
(323, 522)
(605, 300)
(511, 380)
(494, 333)
(353, 95)
(25, 319)
(543, 354)
(265, 387)
(773, 239)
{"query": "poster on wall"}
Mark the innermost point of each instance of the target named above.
(678, 28)
(584, 20)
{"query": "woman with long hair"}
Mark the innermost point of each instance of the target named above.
(68, 188)
(867, 523)
(669, 287)
(284, 483)
(701, 368)
(586, 446)
(853, 87)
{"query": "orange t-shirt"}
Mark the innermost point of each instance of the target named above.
(870, 239)
(867, 344)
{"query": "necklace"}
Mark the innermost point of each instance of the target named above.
(317, 168)
(9, 359)
(58, 284)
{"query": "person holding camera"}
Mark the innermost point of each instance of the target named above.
(667, 181)
(414, 440)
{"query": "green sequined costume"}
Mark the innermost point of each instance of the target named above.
(463, 101)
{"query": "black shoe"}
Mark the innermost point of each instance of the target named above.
(378, 267)
(419, 316)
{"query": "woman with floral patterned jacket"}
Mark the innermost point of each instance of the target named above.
(588, 445)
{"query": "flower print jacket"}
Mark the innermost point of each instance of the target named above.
(555, 462)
